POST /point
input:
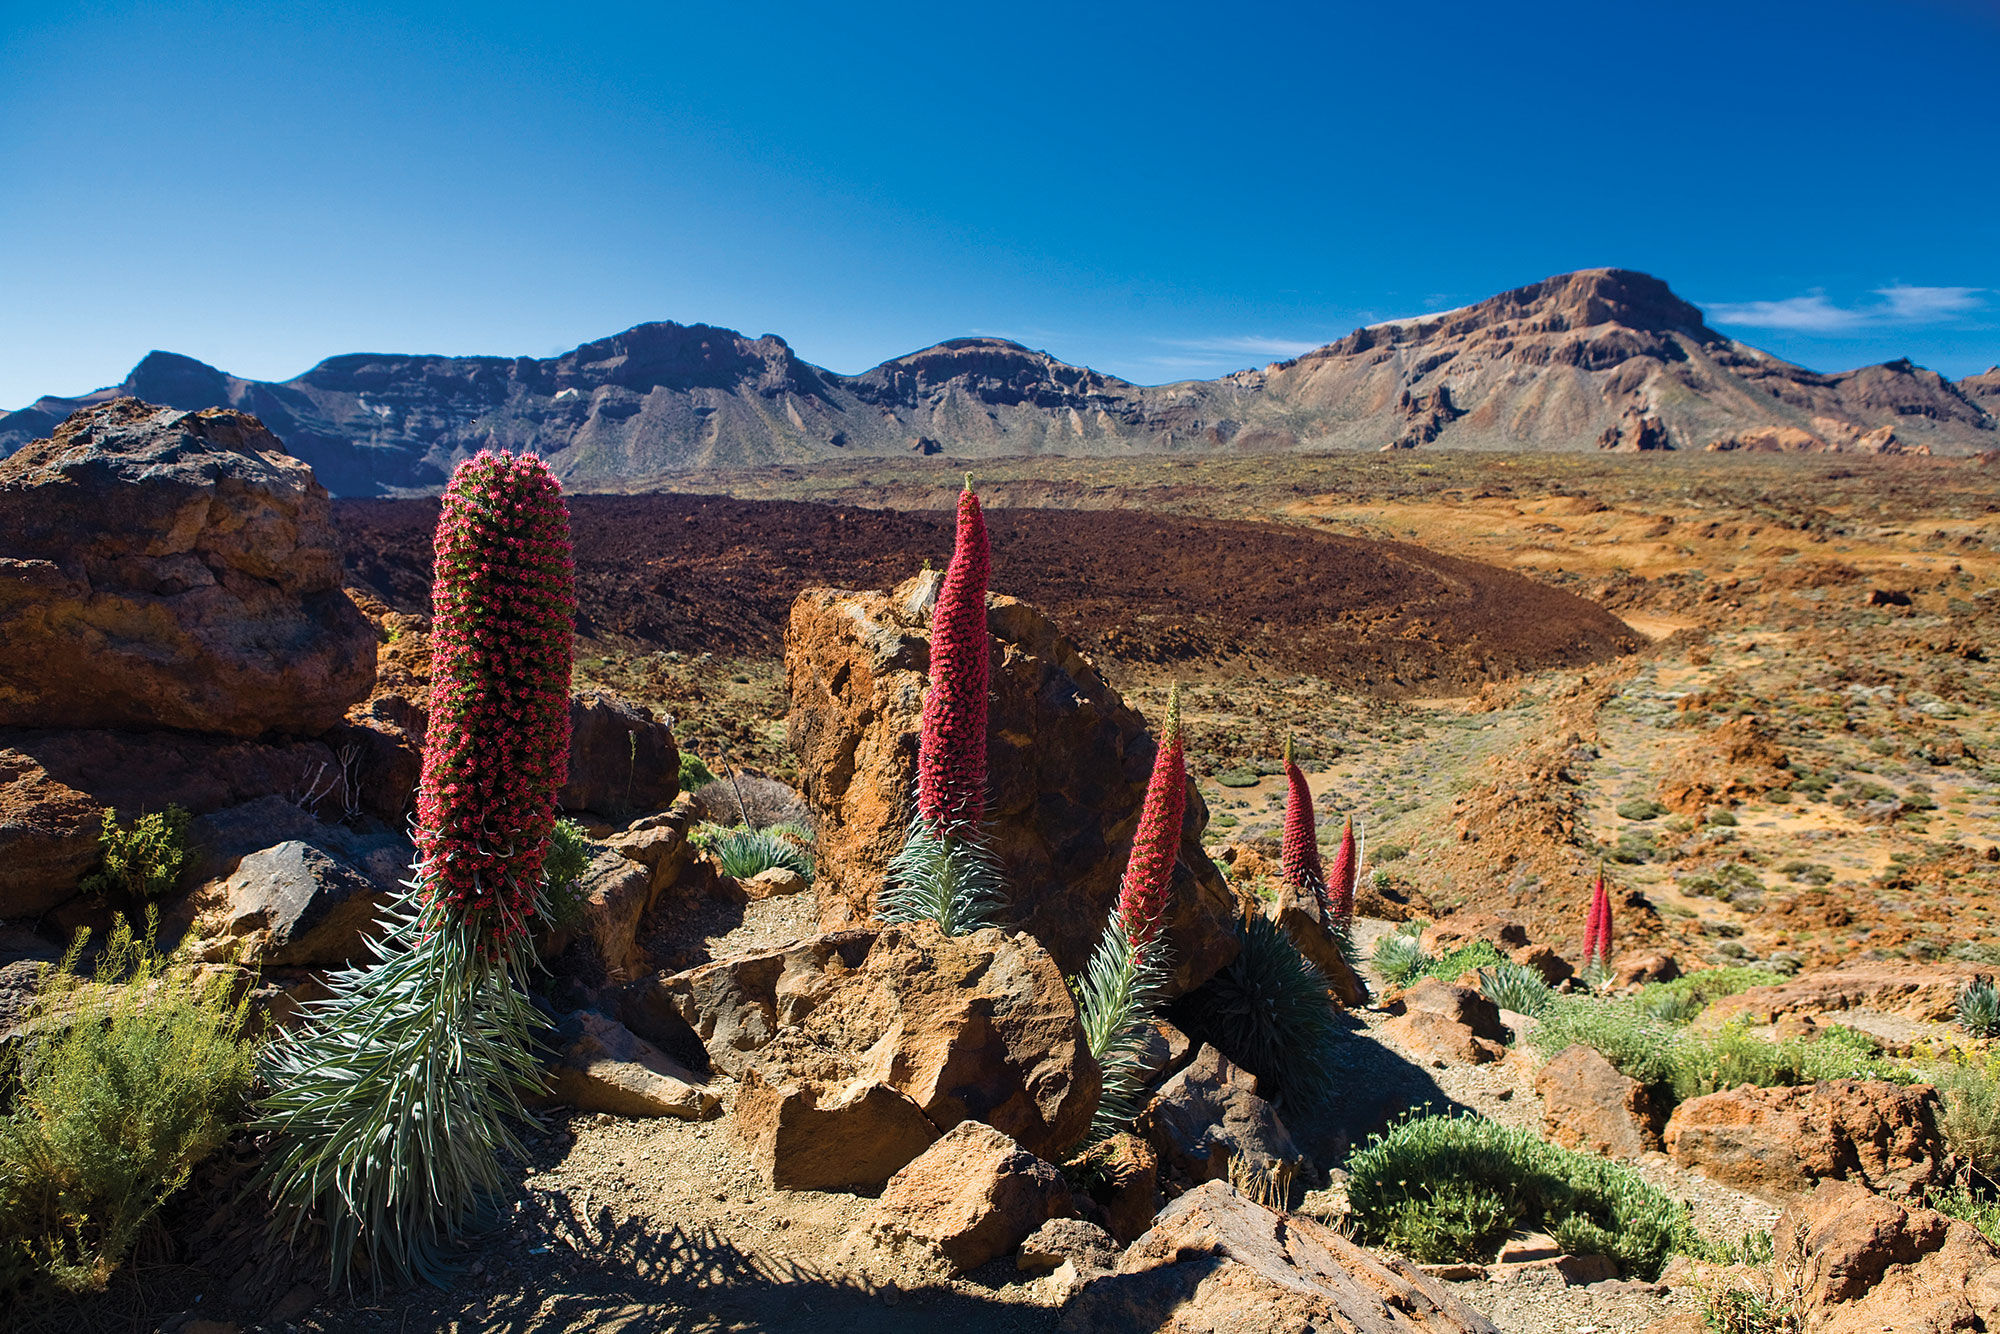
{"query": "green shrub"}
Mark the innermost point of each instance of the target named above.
(1681, 1063)
(1980, 1210)
(1238, 778)
(1979, 1009)
(1969, 1111)
(145, 861)
(140, 1079)
(1442, 1188)
(694, 773)
(744, 853)
(1683, 998)
(1514, 987)
(563, 865)
(1449, 967)
(1640, 808)
(1270, 1012)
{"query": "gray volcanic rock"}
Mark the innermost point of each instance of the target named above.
(1560, 364)
(161, 568)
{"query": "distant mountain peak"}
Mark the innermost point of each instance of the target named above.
(1599, 358)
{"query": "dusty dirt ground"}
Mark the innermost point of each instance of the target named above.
(1813, 659)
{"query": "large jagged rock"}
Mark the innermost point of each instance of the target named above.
(1587, 1104)
(1209, 1118)
(173, 569)
(1215, 1261)
(1067, 760)
(622, 760)
(1866, 1264)
(1446, 1023)
(1781, 1142)
(297, 906)
(975, 1027)
(972, 1196)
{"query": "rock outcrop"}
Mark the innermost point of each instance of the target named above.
(172, 569)
(1446, 1023)
(873, 1024)
(599, 1065)
(1215, 1261)
(1923, 991)
(1861, 1264)
(1782, 1142)
(1067, 760)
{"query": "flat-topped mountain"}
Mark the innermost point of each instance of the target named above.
(1603, 358)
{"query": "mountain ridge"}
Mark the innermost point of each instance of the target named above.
(1598, 358)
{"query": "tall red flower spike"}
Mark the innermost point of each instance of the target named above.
(951, 751)
(1346, 873)
(1156, 847)
(1603, 921)
(1299, 864)
(504, 606)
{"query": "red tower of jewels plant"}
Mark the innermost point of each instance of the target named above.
(1299, 864)
(1118, 988)
(1341, 884)
(945, 873)
(394, 1101)
(1597, 932)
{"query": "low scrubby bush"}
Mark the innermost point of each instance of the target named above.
(1975, 1207)
(1442, 1188)
(1969, 1111)
(1270, 1012)
(1684, 998)
(145, 861)
(141, 1077)
(1682, 1063)
(1454, 964)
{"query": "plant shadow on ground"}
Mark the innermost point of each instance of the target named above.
(614, 1274)
(1374, 1087)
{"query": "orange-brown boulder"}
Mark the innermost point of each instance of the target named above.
(1215, 1261)
(809, 1135)
(1446, 1023)
(173, 569)
(1125, 1183)
(1067, 765)
(1587, 1104)
(979, 1027)
(1781, 1142)
(1724, 765)
(972, 1196)
(1864, 1264)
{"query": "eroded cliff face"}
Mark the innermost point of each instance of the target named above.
(1602, 358)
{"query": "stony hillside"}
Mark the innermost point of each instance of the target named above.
(1603, 358)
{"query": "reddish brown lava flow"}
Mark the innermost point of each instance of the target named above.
(706, 573)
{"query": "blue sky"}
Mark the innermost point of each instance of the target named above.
(1159, 190)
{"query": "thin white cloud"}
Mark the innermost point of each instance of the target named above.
(1221, 347)
(1900, 304)
(1924, 304)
